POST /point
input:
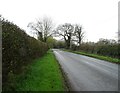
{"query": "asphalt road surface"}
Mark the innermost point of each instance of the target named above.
(87, 73)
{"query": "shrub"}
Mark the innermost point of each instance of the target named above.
(110, 50)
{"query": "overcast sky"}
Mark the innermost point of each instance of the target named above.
(99, 18)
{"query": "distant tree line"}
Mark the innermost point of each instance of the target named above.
(69, 32)
(105, 47)
(72, 35)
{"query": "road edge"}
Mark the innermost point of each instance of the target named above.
(75, 52)
(66, 81)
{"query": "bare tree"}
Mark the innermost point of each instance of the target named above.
(79, 34)
(43, 28)
(66, 30)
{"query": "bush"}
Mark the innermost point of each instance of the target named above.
(110, 50)
(17, 50)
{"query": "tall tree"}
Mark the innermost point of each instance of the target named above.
(43, 27)
(66, 30)
(78, 33)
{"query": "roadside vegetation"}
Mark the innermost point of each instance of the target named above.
(106, 58)
(43, 75)
(72, 38)
(18, 49)
(27, 64)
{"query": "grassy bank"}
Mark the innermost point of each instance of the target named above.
(106, 58)
(43, 75)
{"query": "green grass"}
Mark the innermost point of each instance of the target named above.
(43, 74)
(106, 58)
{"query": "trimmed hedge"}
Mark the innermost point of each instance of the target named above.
(105, 50)
(18, 49)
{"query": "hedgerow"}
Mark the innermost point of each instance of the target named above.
(18, 49)
(110, 50)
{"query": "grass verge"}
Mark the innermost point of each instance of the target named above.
(106, 58)
(43, 75)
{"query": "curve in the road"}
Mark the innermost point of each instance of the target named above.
(88, 74)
